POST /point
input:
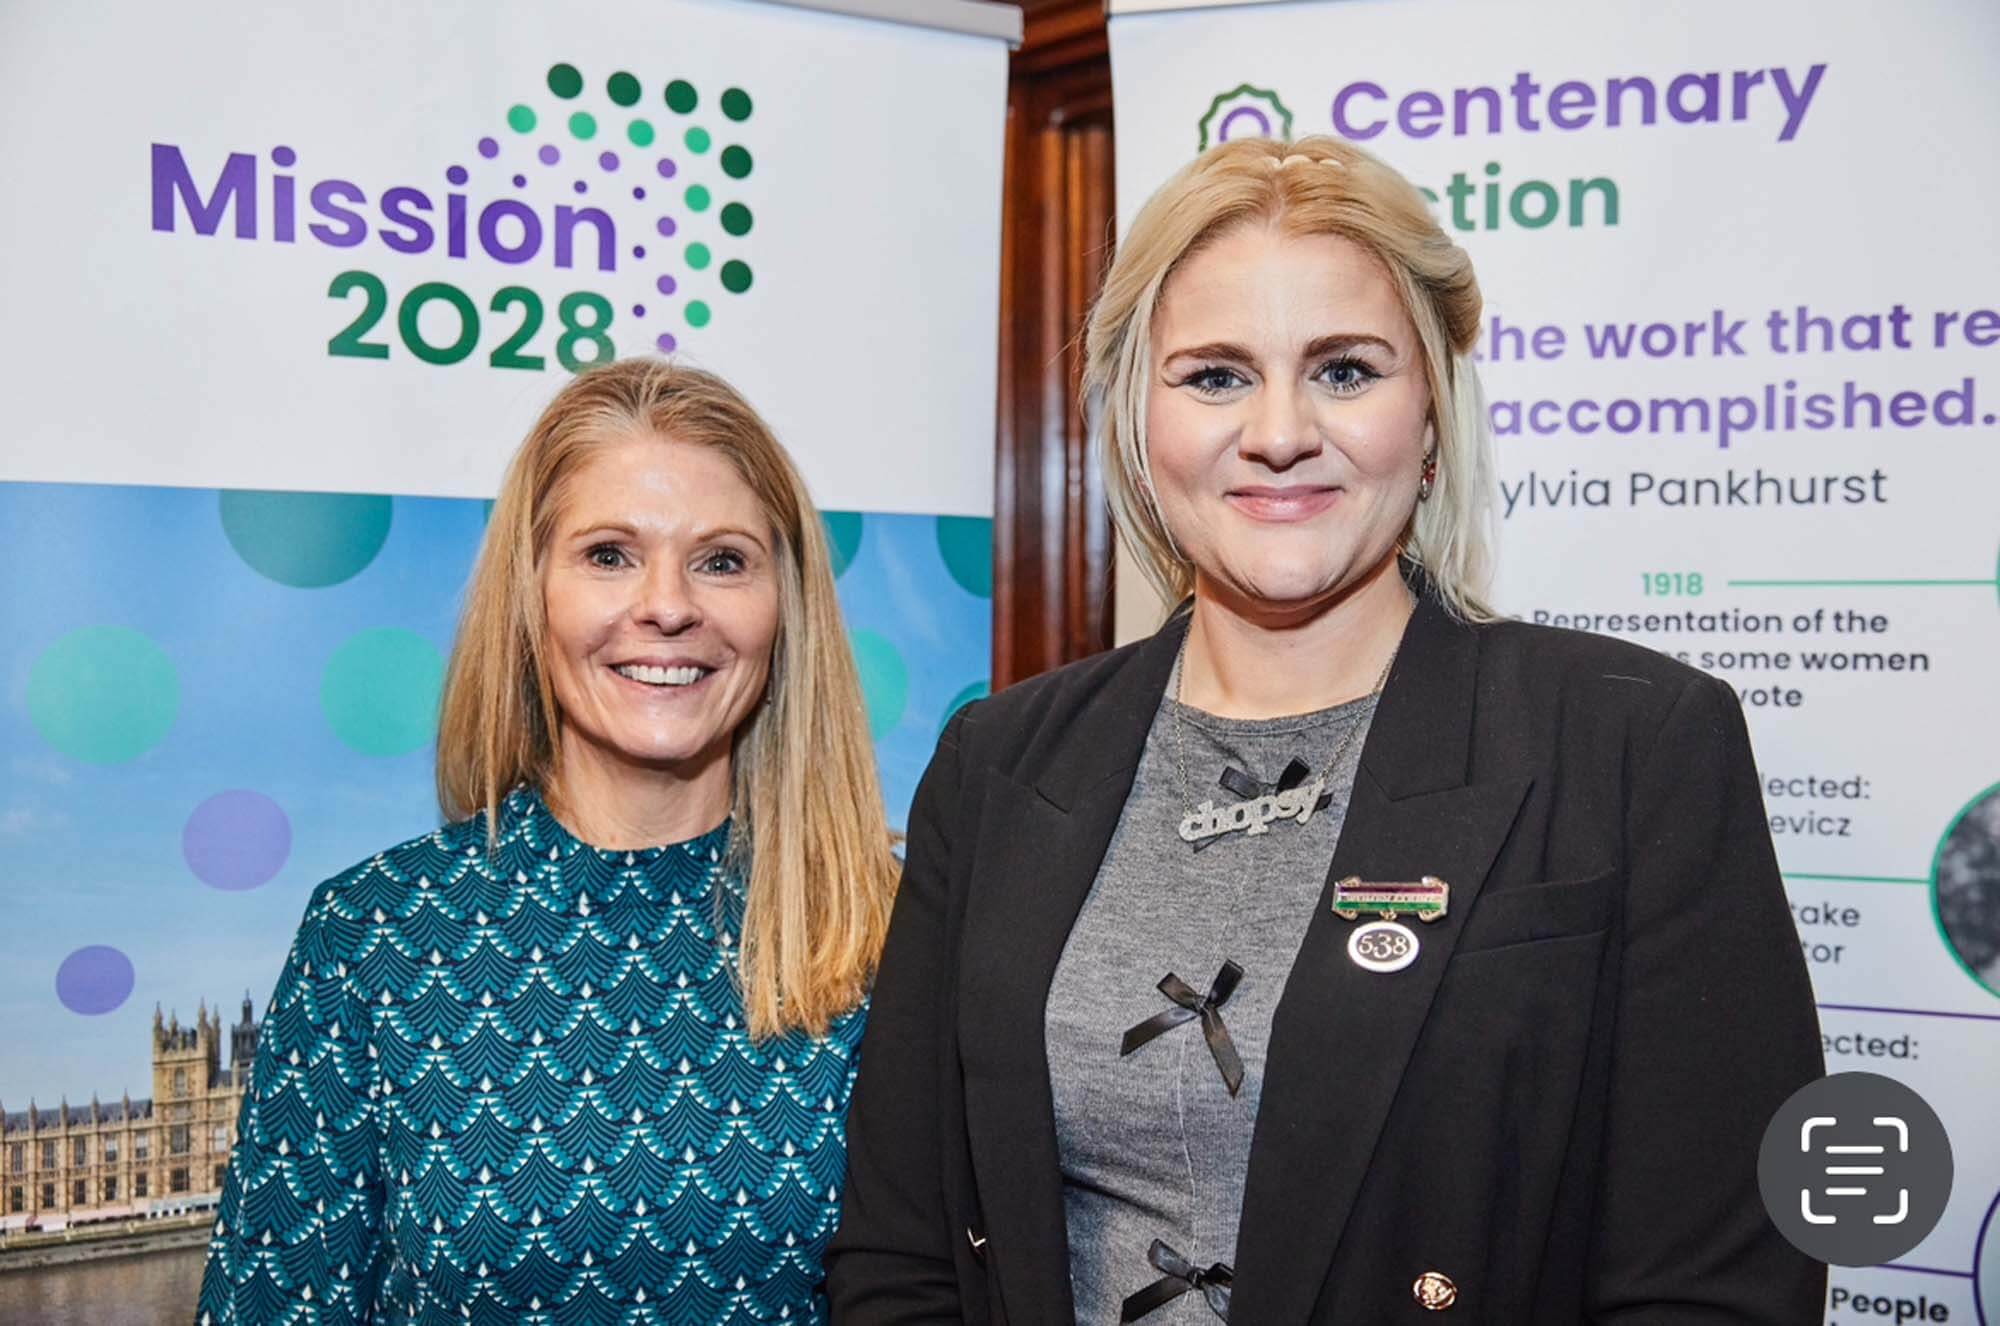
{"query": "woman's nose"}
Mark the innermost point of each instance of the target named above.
(666, 600)
(1281, 430)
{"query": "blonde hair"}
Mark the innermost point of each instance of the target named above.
(1316, 186)
(809, 836)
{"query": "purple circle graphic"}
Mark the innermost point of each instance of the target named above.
(665, 342)
(548, 155)
(284, 156)
(94, 979)
(488, 148)
(638, 250)
(639, 192)
(520, 181)
(236, 840)
(457, 175)
(1263, 122)
(666, 285)
(608, 160)
(667, 226)
(638, 310)
(667, 168)
(580, 187)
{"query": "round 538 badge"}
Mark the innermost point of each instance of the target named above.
(1387, 945)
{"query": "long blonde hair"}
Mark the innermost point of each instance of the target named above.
(809, 836)
(1315, 186)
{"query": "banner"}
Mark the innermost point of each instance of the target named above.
(1742, 320)
(286, 285)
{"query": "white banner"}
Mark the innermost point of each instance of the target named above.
(285, 285)
(1742, 314)
(296, 248)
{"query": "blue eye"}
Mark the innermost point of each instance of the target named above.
(1214, 380)
(723, 561)
(1346, 375)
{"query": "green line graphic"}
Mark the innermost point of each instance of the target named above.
(1828, 584)
(1857, 879)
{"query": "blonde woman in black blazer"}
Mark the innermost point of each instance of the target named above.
(1535, 1096)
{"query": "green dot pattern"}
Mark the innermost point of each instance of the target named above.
(306, 540)
(521, 120)
(843, 535)
(736, 162)
(103, 694)
(380, 691)
(697, 313)
(584, 125)
(564, 80)
(736, 104)
(697, 140)
(640, 132)
(736, 219)
(697, 255)
(681, 96)
(623, 89)
(736, 276)
(885, 680)
(966, 544)
(697, 198)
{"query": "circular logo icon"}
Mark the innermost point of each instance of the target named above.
(1855, 1169)
(1382, 946)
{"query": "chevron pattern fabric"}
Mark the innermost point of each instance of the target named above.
(515, 1086)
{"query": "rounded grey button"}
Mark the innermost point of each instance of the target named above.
(1855, 1169)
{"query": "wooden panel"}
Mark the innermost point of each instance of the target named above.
(1052, 542)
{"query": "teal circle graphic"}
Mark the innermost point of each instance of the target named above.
(966, 543)
(979, 690)
(306, 540)
(885, 680)
(843, 536)
(103, 694)
(380, 691)
(696, 139)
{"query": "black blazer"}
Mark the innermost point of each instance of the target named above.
(1558, 1105)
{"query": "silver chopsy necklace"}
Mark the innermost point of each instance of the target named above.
(1255, 815)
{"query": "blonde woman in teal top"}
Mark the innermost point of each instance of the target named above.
(583, 1055)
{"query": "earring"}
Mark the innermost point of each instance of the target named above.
(1429, 479)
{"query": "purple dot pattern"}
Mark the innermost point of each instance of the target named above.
(236, 840)
(581, 187)
(667, 226)
(639, 192)
(638, 250)
(667, 168)
(457, 175)
(488, 148)
(94, 979)
(284, 156)
(607, 160)
(666, 285)
(520, 181)
(665, 342)
(548, 155)
(638, 310)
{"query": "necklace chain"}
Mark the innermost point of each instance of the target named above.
(1180, 749)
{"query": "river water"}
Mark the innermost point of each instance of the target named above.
(150, 1289)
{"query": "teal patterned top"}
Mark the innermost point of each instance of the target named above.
(516, 1086)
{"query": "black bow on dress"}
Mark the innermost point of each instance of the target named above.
(1187, 1007)
(1179, 1276)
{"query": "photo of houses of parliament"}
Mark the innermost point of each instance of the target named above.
(136, 1158)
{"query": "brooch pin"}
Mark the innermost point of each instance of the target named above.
(1386, 945)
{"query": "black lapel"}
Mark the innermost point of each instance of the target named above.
(1342, 1036)
(1042, 837)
